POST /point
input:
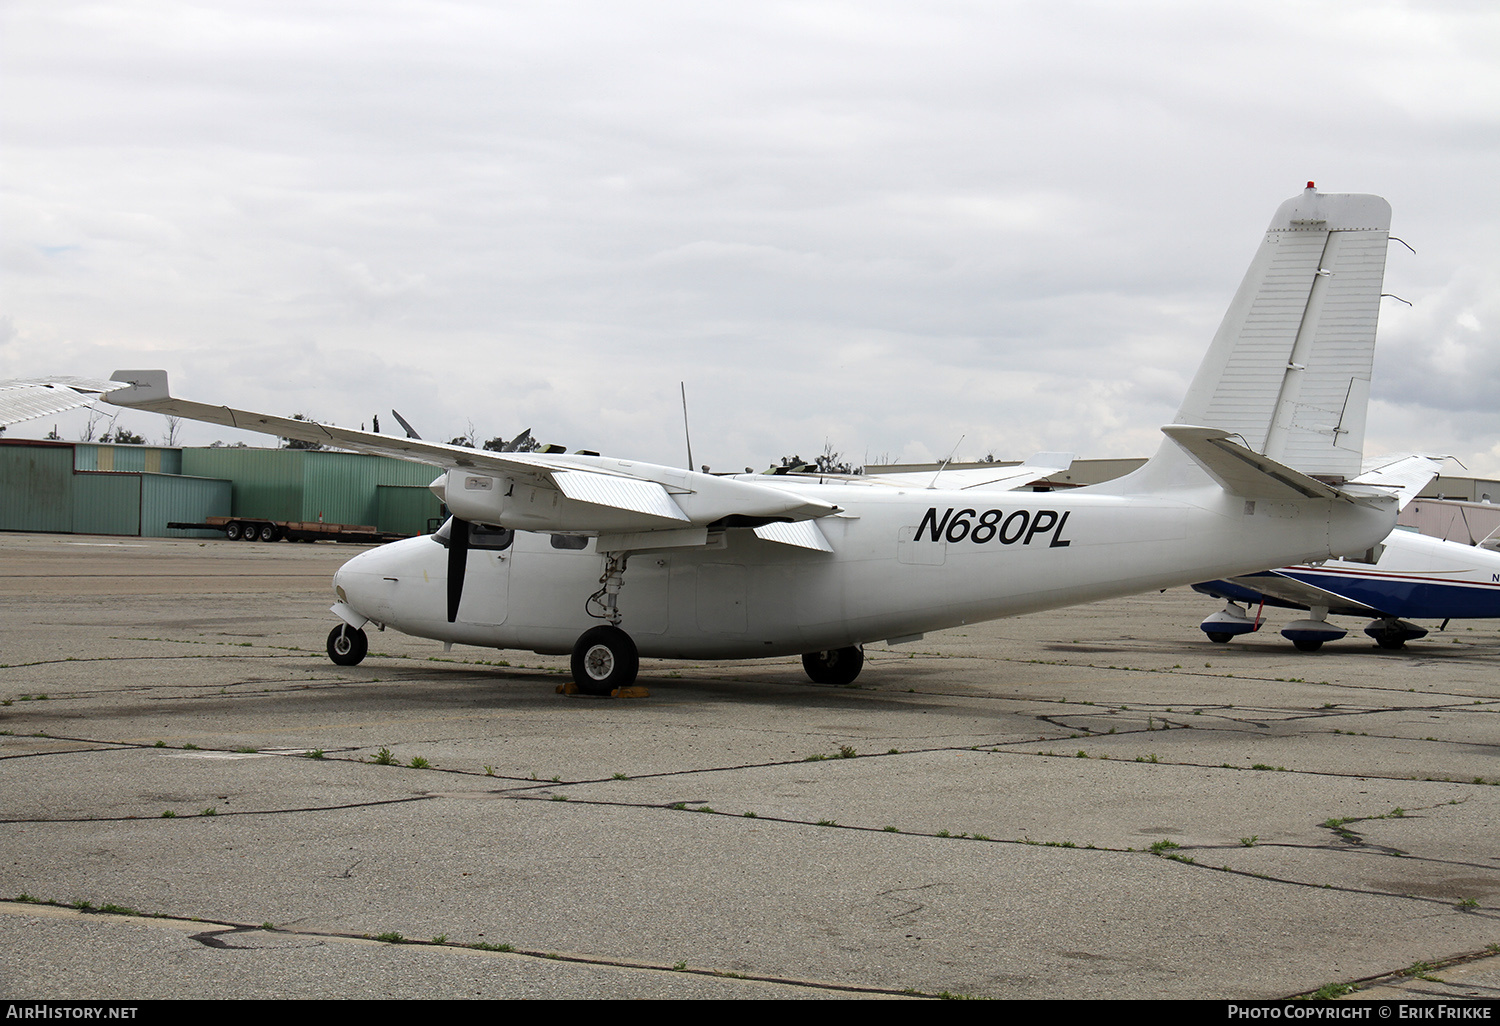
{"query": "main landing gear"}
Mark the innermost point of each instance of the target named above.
(347, 646)
(837, 666)
(1392, 634)
(604, 659)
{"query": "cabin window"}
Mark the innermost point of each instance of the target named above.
(570, 541)
(480, 536)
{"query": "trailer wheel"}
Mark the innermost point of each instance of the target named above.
(249, 532)
(232, 530)
(268, 533)
(347, 645)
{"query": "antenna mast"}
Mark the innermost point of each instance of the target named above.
(683, 385)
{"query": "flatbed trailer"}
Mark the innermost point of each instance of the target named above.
(243, 528)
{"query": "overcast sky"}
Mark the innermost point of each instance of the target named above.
(882, 226)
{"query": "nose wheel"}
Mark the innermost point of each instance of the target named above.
(347, 646)
(604, 659)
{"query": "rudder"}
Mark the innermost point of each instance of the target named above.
(1289, 368)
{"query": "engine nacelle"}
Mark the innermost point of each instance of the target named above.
(497, 501)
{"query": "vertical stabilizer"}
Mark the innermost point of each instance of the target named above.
(1289, 369)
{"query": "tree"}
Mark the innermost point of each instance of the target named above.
(466, 439)
(297, 443)
(829, 462)
(521, 443)
(122, 437)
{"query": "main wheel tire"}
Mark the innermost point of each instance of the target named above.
(1219, 637)
(604, 659)
(232, 530)
(1306, 645)
(1391, 641)
(347, 646)
(268, 532)
(837, 666)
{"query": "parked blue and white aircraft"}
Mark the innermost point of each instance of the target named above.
(1407, 576)
(1261, 468)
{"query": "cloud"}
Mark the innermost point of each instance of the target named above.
(871, 224)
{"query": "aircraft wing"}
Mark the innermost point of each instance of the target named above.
(562, 493)
(1288, 587)
(992, 479)
(27, 398)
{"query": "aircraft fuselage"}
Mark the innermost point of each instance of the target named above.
(904, 562)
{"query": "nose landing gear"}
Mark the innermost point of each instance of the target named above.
(347, 646)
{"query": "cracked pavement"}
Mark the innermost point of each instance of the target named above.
(1093, 802)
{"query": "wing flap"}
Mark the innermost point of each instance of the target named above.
(625, 493)
(28, 398)
(804, 534)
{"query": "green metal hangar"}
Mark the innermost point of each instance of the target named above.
(88, 488)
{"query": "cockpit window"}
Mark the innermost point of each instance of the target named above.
(480, 536)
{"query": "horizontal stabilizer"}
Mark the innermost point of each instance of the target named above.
(1405, 475)
(1243, 472)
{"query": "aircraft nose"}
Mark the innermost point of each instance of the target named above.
(390, 584)
(356, 583)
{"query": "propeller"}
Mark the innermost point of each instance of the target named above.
(458, 562)
(411, 432)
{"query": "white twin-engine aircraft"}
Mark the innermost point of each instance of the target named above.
(611, 560)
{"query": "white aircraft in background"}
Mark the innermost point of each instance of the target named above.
(609, 559)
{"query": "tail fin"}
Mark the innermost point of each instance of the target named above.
(1289, 369)
(1288, 372)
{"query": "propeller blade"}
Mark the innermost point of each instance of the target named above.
(458, 562)
(410, 431)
